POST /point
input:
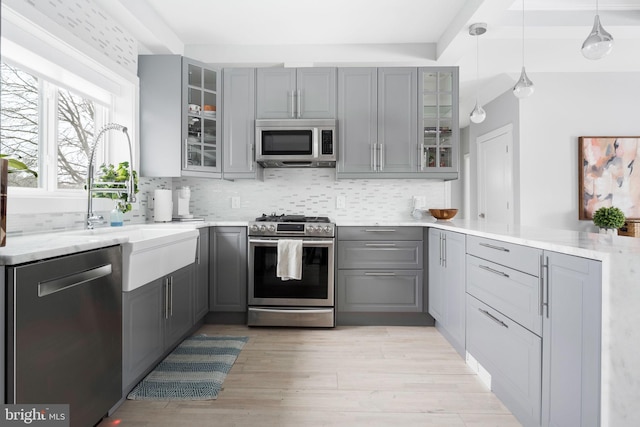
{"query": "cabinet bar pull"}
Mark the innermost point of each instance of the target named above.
(379, 273)
(381, 245)
(541, 283)
(441, 262)
(198, 250)
(171, 296)
(293, 106)
(166, 298)
(421, 156)
(373, 157)
(380, 230)
(381, 161)
(546, 279)
(492, 317)
(298, 96)
(494, 271)
(444, 251)
(499, 248)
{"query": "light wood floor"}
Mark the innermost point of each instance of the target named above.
(347, 376)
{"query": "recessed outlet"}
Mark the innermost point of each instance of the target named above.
(235, 202)
(341, 202)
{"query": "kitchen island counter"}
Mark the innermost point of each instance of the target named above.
(620, 257)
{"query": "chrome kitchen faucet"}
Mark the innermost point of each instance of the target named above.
(92, 218)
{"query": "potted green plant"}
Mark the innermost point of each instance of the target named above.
(116, 178)
(609, 219)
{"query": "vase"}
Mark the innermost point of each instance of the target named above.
(608, 231)
(4, 170)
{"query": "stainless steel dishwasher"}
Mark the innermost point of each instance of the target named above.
(64, 333)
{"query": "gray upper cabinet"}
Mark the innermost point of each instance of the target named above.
(571, 342)
(377, 120)
(178, 117)
(447, 284)
(357, 120)
(438, 129)
(296, 93)
(238, 104)
(397, 115)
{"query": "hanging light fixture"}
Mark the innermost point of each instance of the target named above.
(524, 87)
(478, 114)
(599, 43)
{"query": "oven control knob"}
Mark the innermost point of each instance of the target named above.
(327, 229)
(254, 227)
(263, 228)
(310, 228)
(272, 228)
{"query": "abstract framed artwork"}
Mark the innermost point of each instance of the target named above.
(608, 175)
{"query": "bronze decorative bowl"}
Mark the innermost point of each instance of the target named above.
(443, 213)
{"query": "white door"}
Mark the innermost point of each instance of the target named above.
(495, 177)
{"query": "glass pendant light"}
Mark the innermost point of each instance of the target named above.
(524, 87)
(478, 114)
(599, 43)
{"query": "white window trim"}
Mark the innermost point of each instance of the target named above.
(71, 65)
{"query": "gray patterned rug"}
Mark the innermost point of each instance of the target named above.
(195, 370)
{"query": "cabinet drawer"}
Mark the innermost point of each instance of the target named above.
(380, 290)
(380, 254)
(380, 233)
(511, 354)
(518, 257)
(514, 294)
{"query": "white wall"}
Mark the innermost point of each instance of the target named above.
(564, 107)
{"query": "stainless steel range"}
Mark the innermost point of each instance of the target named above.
(276, 301)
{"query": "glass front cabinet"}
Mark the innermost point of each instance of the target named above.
(200, 124)
(438, 121)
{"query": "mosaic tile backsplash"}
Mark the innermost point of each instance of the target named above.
(309, 192)
(289, 191)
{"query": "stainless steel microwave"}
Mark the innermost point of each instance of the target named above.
(296, 143)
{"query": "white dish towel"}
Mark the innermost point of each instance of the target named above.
(289, 259)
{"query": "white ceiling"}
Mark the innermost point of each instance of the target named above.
(388, 32)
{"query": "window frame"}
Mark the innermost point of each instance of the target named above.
(49, 53)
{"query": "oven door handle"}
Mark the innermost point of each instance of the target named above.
(274, 242)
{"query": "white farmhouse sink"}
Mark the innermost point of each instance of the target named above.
(150, 252)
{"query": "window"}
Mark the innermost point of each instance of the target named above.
(48, 127)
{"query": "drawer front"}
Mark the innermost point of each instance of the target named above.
(511, 354)
(380, 233)
(514, 294)
(380, 291)
(380, 254)
(518, 257)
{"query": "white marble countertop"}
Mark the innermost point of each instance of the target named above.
(620, 257)
(34, 247)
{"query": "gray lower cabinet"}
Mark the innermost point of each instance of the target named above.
(511, 354)
(238, 104)
(571, 342)
(447, 284)
(380, 270)
(155, 317)
(201, 283)
(228, 276)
